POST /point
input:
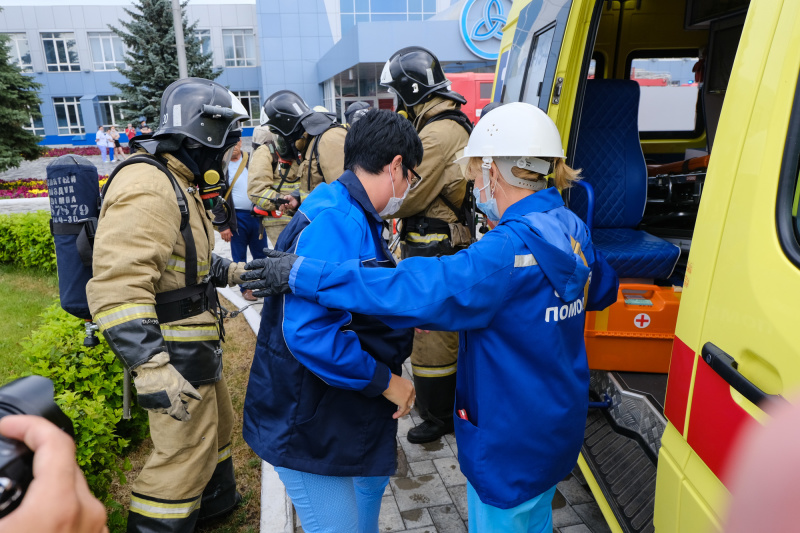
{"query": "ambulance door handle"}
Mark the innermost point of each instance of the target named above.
(728, 369)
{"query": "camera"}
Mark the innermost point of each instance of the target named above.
(31, 395)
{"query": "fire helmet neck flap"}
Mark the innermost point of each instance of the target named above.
(202, 110)
(414, 73)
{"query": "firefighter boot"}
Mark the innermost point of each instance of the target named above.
(435, 397)
(220, 497)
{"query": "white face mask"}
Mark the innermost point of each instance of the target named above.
(393, 206)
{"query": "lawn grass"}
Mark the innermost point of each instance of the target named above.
(25, 294)
(239, 347)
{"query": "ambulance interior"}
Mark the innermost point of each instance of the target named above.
(655, 77)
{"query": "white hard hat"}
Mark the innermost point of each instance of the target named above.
(514, 130)
(515, 134)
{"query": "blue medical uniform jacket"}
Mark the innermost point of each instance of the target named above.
(518, 297)
(314, 400)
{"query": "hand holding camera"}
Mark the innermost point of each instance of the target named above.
(42, 488)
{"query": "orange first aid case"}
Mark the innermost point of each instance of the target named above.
(635, 333)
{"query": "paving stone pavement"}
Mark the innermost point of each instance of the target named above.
(429, 493)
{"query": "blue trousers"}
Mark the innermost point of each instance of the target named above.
(532, 516)
(246, 236)
(332, 504)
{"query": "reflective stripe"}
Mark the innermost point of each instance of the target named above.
(153, 509)
(524, 260)
(434, 371)
(178, 264)
(430, 237)
(224, 453)
(189, 333)
(267, 197)
(124, 313)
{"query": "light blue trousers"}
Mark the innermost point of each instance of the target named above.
(332, 504)
(532, 516)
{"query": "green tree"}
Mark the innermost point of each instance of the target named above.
(19, 98)
(152, 58)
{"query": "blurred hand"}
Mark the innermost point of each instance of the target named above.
(58, 499)
(401, 393)
(292, 203)
(226, 235)
(422, 330)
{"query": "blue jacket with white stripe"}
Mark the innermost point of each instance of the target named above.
(314, 399)
(518, 298)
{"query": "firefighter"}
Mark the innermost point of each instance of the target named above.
(272, 178)
(432, 220)
(355, 111)
(153, 296)
(312, 138)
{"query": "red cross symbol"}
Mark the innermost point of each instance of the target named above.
(642, 320)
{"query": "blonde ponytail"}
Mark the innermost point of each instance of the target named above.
(564, 175)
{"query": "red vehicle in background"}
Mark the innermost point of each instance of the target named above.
(476, 88)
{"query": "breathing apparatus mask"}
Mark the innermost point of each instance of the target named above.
(210, 168)
(287, 155)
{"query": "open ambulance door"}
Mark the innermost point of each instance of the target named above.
(736, 343)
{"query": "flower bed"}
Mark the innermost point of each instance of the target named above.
(77, 150)
(32, 188)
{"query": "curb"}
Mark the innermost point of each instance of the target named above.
(277, 514)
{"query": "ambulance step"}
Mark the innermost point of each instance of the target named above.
(624, 468)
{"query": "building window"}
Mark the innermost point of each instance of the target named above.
(204, 36)
(240, 48)
(19, 52)
(111, 111)
(108, 53)
(60, 52)
(35, 126)
(355, 11)
(250, 102)
(68, 115)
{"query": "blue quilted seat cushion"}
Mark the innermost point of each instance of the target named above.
(636, 254)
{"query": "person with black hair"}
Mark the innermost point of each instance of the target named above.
(325, 388)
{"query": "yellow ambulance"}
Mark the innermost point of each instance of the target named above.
(685, 118)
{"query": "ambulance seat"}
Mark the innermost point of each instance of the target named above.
(610, 155)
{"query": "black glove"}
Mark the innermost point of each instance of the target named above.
(269, 276)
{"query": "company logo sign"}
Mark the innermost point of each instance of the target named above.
(482, 23)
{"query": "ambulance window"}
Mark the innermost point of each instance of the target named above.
(538, 35)
(669, 92)
(486, 90)
(597, 67)
(788, 204)
(534, 79)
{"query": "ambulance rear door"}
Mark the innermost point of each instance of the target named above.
(737, 335)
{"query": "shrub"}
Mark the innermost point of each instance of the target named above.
(25, 241)
(88, 388)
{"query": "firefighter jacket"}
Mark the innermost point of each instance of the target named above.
(139, 252)
(314, 399)
(323, 159)
(443, 141)
(518, 298)
(265, 184)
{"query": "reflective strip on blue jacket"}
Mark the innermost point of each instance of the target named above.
(314, 399)
(517, 297)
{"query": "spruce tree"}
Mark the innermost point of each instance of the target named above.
(152, 58)
(19, 98)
